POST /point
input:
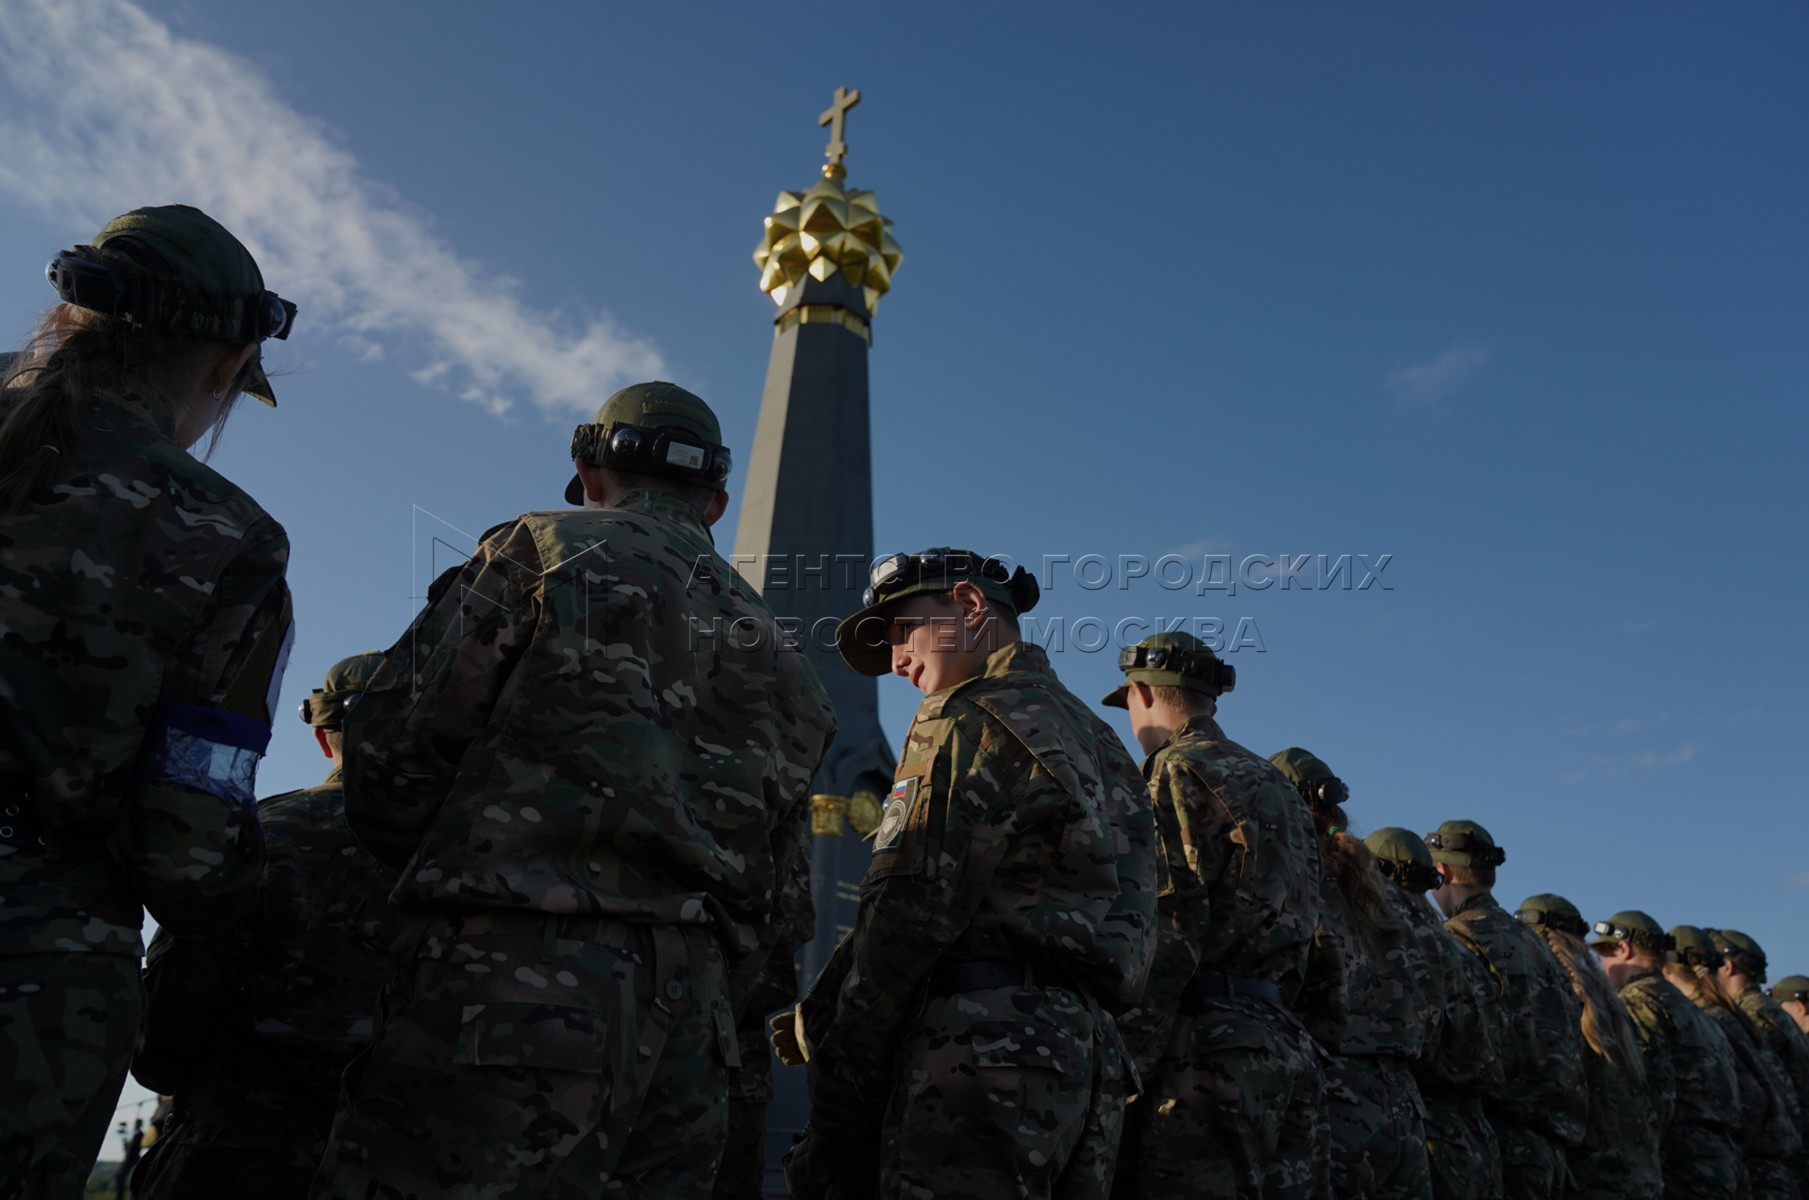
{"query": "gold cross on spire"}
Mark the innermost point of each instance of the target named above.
(834, 117)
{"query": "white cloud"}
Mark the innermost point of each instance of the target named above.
(104, 108)
(1209, 545)
(1619, 766)
(1431, 383)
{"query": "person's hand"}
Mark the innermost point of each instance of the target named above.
(790, 1042)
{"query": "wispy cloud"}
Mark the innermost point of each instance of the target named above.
(1636, 627)
(1619, 766)
(1621, 725)
(104, 108)
(1429, 384)
(1209, 545)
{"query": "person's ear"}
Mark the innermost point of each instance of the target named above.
(320, 739)
(970, 602)
(227, 367)
(719, 504)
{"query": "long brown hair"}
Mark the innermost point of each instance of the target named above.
(1353, 867)
(1606, 1026)
(77, 358)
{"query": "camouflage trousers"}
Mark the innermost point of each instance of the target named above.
(1461, 1148)
(67, 1024)
(1378, 1131)
(523, 1055)
(1005, 1092)
(1701, 1162)
(741, 1175)
(1771, 1179)
(1533, 1165)
(1235, 1108)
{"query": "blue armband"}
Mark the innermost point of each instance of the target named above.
(206, 750)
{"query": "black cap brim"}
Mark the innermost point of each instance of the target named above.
(574, 492)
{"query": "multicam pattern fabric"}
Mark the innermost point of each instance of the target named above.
(250, 1030)
(1768, 1135)
(1233, 1100)
(594, 735)
(520, 1055)
(1025, 836)
(594, 715)
(1363, 999)
(1781, 1035)
(136, 578)
(1619, 1157)
(1695, 1092)
(1541, 1108)
(1462, 1064)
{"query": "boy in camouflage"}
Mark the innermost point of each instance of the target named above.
(147, 621)
(591, 789)
(250, 1030)
(1541, 1108)
(1008, 913)
(1464, 1030)
(1233, 1097)
(1689, 1065)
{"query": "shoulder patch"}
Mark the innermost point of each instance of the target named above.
(891, 831)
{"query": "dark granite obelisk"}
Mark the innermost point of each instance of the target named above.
(805, 533)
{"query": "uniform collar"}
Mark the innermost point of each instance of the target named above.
(335, 777)
(660, 504)
(1479, 900)
(1193, 729)
(1641, 974)
(1015, 659)
(146, 408)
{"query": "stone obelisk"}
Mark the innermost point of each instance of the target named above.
(805, 534)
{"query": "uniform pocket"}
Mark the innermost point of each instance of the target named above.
(548, 1037)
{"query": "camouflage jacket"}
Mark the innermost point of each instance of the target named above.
(1619, 1156)
(594, 715)
(250, 1029)
(1016, 829)
(1689, 1065)
(1367, 984)
(146, 622)
(1462, 1021)
(1778, 1030)
(1238, 876)
(1542, 1047)
(1769, 1123)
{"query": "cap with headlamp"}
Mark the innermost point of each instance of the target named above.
(209, 286)
(1176, 659)
(1402, 856)
(1464, 844)
(862, 637)
(1311, 777)
(1634, 928)
(656, 429)
(1693, 947)
(1550, 911)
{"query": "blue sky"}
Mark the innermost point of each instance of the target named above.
(1515, 296)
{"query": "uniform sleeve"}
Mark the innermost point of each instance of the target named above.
(190, 839)
(193, 993)
(1656, 1040)
(1183, 908)
(932, 864)
(405, 736)
(1469, 1054)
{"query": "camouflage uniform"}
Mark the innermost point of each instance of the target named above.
(1009, 910)
(1619, 1157)
(146, 619)
(591, 786)
(1541, 1107)
(1366, 990)
(1233, 1100)
(1690, 1070)
(1789, 1051)
(1463, 1030)
(1770, 1134)
(250, 1030)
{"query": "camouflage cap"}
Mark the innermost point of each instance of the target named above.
(1550, 909)
(1403, 857)
(1464, 844)
(346, 679)
(861, 638)
(205, 256)
(1634, 927)
(653, 405)
(1747, 956)
(1791, 987)
(1694, 947)
(1310, 776)
(1173, 659)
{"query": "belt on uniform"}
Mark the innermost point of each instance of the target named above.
(1210, 985)
(950, 979)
